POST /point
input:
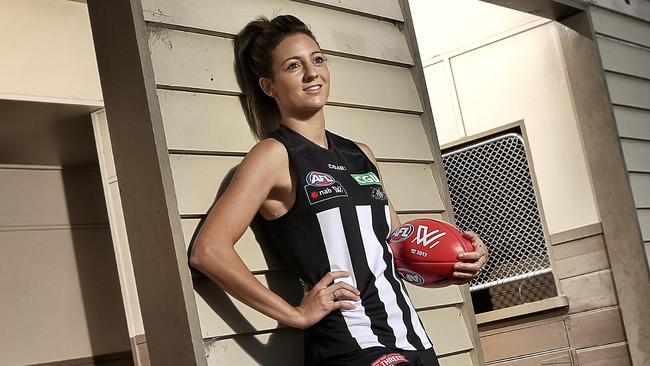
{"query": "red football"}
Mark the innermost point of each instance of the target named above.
(426, 250)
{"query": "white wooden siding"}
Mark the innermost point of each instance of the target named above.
(382, 8)
(628, 90)
(624, 46)
(641, 188)
(624, 57)
(283, 347)
(633, 123)
(644, 220)
(620, 26)
(210, 122)
(460, 359)
(191, 60)
(445, 329)
(185, 59)
(390, 135)
(336, 31)
(636, 155)
(205, 122)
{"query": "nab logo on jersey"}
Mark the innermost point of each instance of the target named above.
(321, 187)
(402, 233)
(425, 237)
(318, 179)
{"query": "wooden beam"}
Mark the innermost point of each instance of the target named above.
(611, 186)
(153, 224)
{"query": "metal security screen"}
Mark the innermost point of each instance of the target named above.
(492, 194)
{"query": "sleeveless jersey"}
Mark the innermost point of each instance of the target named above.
(339, 222)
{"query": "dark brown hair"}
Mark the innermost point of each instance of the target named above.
(253, 46)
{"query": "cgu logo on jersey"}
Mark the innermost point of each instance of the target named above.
(318, 179)
(425, 237)
(401, 233)
(321, 187)
(366, 179)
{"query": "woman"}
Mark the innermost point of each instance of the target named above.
(329, 227)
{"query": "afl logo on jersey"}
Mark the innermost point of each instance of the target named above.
(402, 233)
(318, 179)
(321, 187)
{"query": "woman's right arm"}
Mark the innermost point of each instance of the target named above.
(213, 252)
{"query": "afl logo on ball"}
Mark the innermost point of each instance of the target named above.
(401, 233)
(318, 179)
(410, 276)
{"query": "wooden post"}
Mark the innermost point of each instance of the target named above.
(148, 198)
(612, 189)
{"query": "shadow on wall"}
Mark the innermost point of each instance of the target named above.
(283, 282)
(96, 266)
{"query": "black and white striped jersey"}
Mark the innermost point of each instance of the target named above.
(340, 221)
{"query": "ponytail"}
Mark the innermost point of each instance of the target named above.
(253, 46)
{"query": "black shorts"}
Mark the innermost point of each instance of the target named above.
(382, 356)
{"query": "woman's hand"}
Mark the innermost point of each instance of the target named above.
(470, 263)
(324, 297)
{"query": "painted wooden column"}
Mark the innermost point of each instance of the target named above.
(148, 198)
(611, 182)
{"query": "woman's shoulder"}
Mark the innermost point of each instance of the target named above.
(268, 152)
(265, 165)
(362, 146)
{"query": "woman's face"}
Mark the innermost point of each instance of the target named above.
(300, 83)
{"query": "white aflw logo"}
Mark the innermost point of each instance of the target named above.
(425, 237)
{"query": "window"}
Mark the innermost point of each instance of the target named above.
(492, 193)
